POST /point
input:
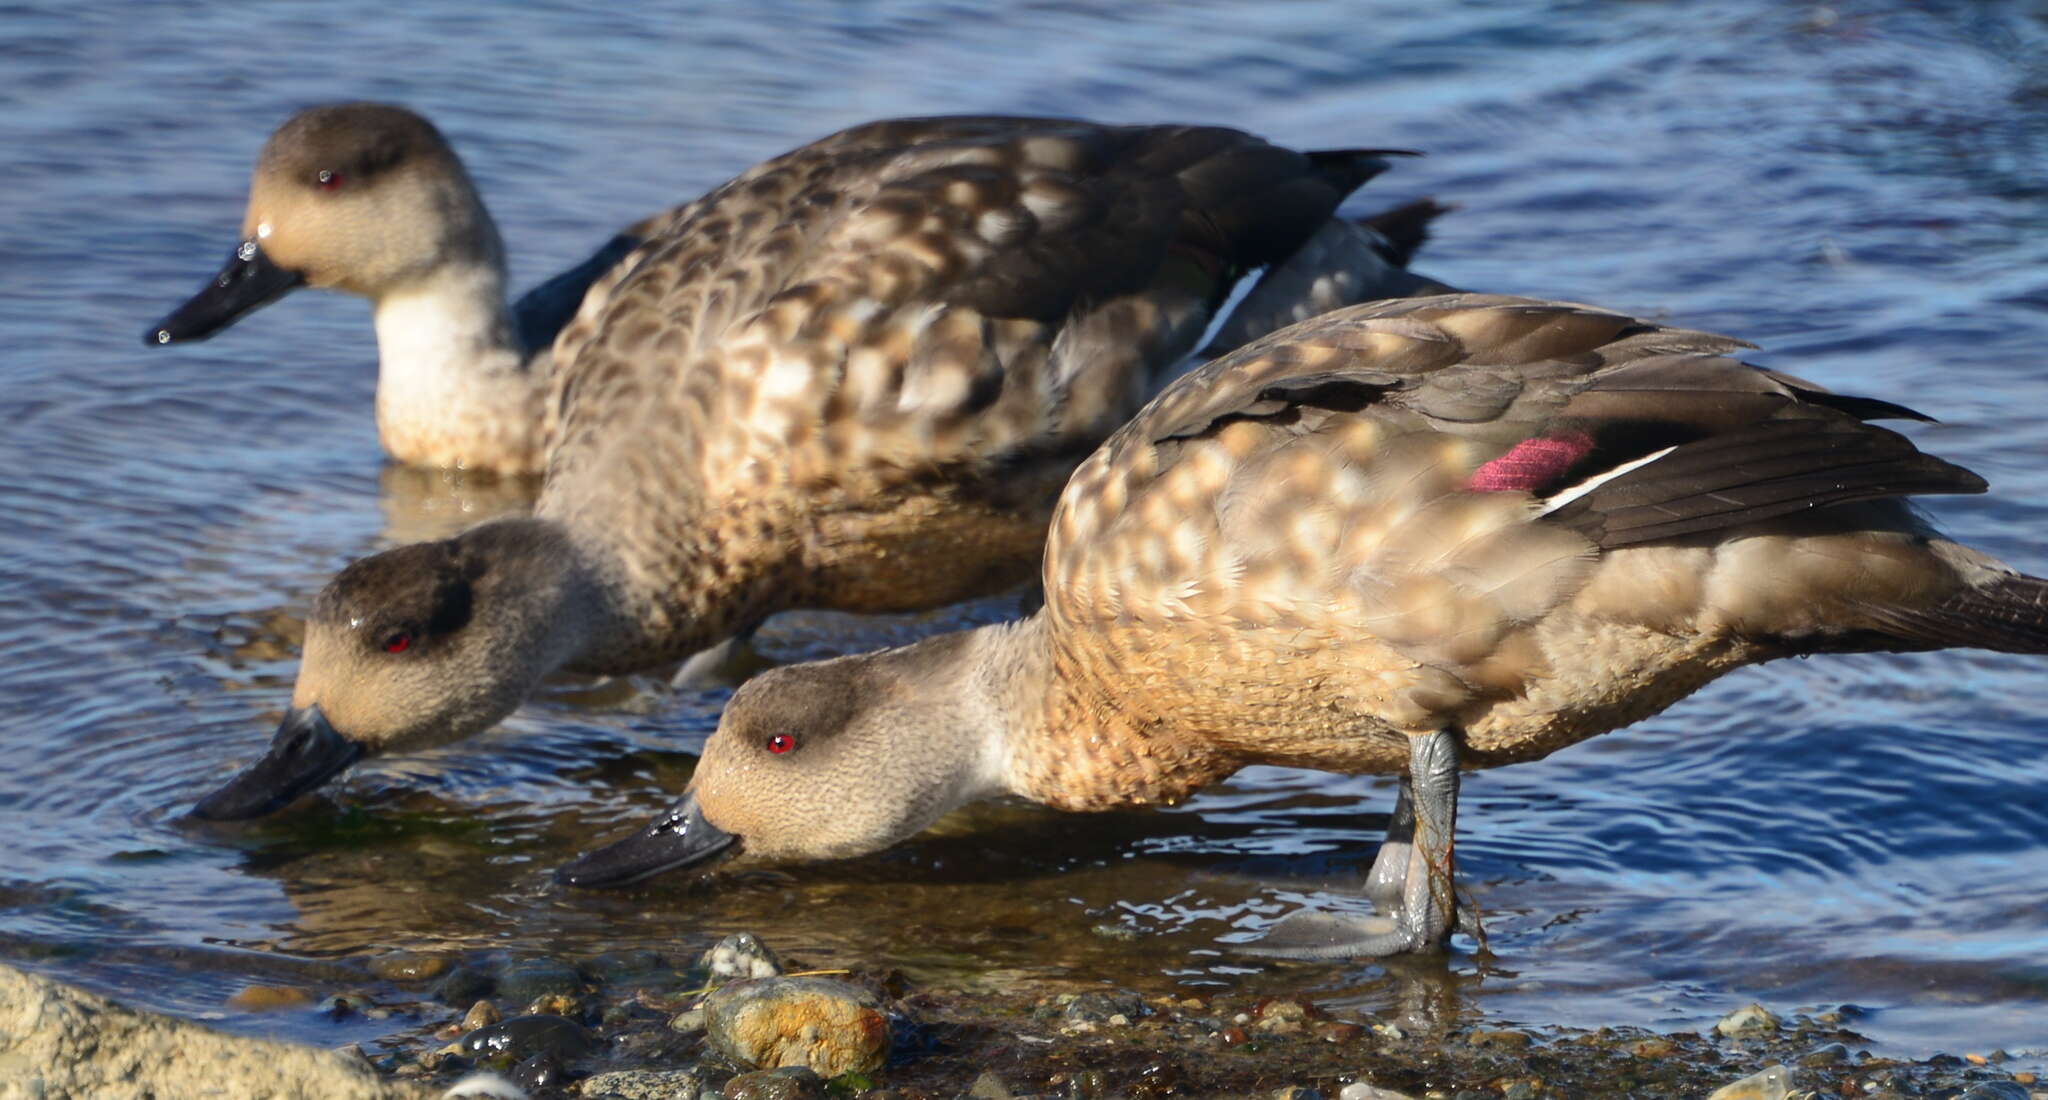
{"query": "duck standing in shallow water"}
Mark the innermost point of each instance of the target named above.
(1411, 537)
(370, 199)
(855, 377)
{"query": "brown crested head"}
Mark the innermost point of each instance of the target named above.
(430, 643)
(365, 197)
(844, 757)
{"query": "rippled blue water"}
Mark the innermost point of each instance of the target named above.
(1861, 188)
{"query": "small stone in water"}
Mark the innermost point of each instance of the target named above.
(742, 955)
(1296, 1092)
(1505, 1040)
(1748, 1020)
(406, 966)
(1774, 1083)
(829, 1026)
(270, 998)
(481, 1014)
(688, 1020)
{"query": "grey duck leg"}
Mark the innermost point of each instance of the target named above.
(1412, 877)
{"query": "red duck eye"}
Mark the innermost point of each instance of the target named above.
(330, 180)
(781, 743)
(398, 643)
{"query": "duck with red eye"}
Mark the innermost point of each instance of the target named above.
(416, 672)
(800, 798)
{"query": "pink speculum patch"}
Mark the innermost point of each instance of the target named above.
(1532, 464)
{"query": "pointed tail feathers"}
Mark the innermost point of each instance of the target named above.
(2009, 615)
(1405, 228)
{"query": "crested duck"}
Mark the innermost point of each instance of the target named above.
(855, 377)
(370, 199)
(1408, 537)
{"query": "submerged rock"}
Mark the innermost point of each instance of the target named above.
(828, 1026)
(408, 966)
(529, 980)
(270, 998)
(56, 1041)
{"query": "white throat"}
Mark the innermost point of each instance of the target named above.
(452, 385)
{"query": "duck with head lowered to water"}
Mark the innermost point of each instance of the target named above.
(854, 377)
(1407, 537)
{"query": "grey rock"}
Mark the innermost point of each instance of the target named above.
(1774, 1083)
(1296, 1092)
(646, 1084)
(1752, 1019)
(56, 1041)
(742, 955)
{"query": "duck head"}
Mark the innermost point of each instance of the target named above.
(362, 197)
(823, 761)
(419, 646)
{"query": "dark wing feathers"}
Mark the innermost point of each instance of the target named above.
(1679, 438)
(1764, 470)
(541, 312)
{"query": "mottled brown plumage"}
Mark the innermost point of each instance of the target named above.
(856, 377)
(1396, 538)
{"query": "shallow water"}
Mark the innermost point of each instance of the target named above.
(1862, 189)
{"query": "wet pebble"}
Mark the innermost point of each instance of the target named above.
(1774, 1083)
(786, 1083)
(1752, 1019)
(688, 1020)
(1110, 1008)
(480, 1015)
(1829, 1055)
(1296, 1092)
(539, 1072)
(270, 998)
(742, 955)
(408, 966)
(522, 1037)
(830, 1026)
(1500, 1040)
(1996, 1090)
(646, 1084)
(527, 980)
(1360, 1090)
(989, 1087)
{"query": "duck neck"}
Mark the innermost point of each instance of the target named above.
(453, 384)
(1075, 744)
